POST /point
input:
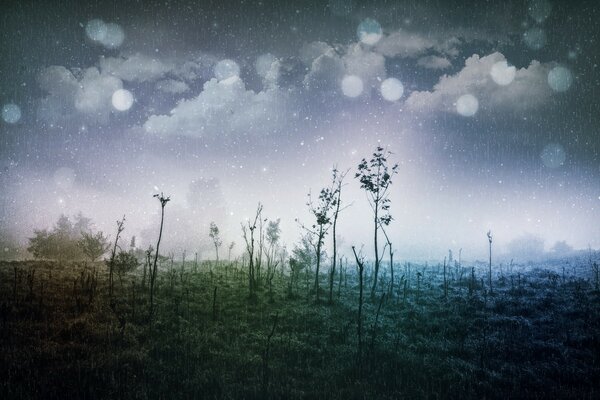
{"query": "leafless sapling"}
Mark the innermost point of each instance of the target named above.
(360, 265)
(248, 235)
(337, 184)
(111, 263)
(163, 202)
(489, 235)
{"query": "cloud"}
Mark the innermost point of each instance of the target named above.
(529, 89)
(366, 64)
(78, 93)
(325, 73)
(95, 92)
(224, 109)
(434, 62)
(172, 86)
(135, 68)
(406, 44)
(328, 65)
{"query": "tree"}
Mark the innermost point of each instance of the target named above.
(375, 178)
(562, 248)
(337, 184)
(273, 233)
(301, 259)
(489, 235)
(125, 262)
(360, 265)
(214, 234)
(62, 241)
(111, 261)
(163, 202)
(526, 247)
(248, 235)
(321, 210)
(93, 245)
(231, 246)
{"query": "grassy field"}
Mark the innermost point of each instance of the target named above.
(535, 335)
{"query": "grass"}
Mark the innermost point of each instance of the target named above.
(536, 336)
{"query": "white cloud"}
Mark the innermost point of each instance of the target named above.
(94, 95)
(406, 44)
(84, 93)
(224, 108)
(325, 73)
(311, 51)
(135, 68)
(172, 86)
(367, 65)
(328, 66)
(434, 62)
(528, 91)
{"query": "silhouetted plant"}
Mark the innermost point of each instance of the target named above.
(375, 178)
(321, 211)
(337, 184)
(93, 246)
(124, 263)
(489, 235)
(215, 236)
(360, 265)
(111, 261)
(248, 235)
(163, 202)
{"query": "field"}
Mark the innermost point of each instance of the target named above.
(536, 334)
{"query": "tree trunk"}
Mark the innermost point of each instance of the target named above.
(376, 271)
(153, 277)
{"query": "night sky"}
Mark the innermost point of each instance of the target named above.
(490, 108)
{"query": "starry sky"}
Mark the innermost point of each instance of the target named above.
(490, 108)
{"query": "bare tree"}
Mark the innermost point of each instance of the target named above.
(215, 236)
(375, 178)
(231, 246)
(111, 262)
(248, 235)
(337, 184)
(391, 254)
(163, 202)
(273, 233)
(360, 265)
(489, 235)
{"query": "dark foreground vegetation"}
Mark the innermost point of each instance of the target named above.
(439, 333)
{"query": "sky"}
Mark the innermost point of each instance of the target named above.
(490, 108)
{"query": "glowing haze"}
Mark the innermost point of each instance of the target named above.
(490, 110)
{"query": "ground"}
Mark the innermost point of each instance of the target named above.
(535, 334)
